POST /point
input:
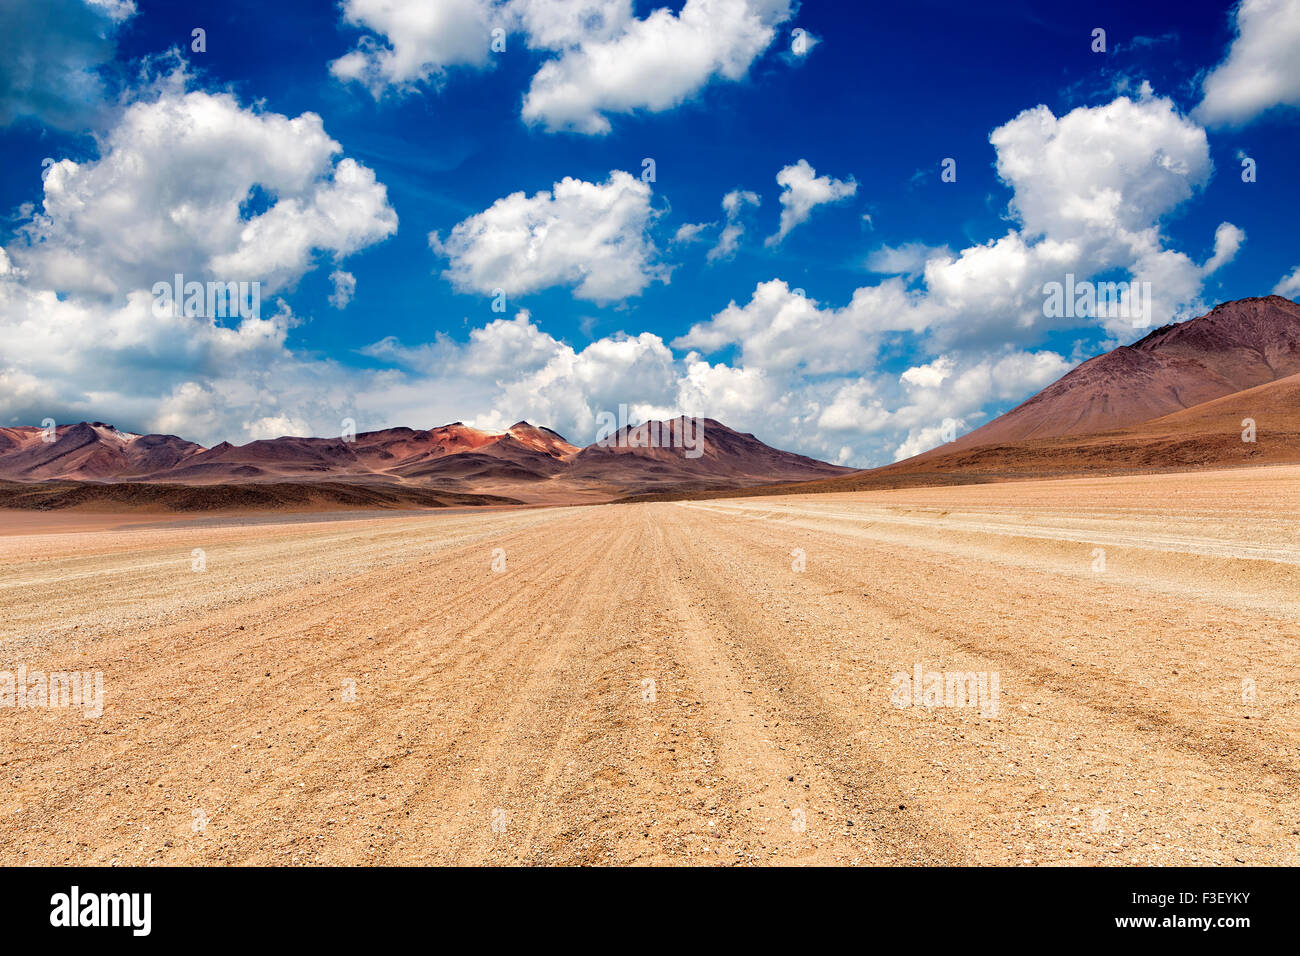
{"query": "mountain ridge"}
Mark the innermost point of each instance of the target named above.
(524, 463)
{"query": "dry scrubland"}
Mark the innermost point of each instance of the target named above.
(1123, 736)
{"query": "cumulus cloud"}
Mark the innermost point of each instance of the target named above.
(410, 42)
(1289, 285)
(1115, 168)
(944, 396)
(1090, 190)
(925, 437)
(71, 360)
(51, 57)
(930, 375)
(931, 403)
(802, 190)
(592, 237)
(734, 204)
(197, 184)
(1261, 70)
(652, 64)
(781, 329)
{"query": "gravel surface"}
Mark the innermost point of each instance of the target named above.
(673, 683)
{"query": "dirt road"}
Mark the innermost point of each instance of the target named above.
(699, 682)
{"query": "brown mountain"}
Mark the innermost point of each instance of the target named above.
(395, 467)
(645, 458)
(88, 451)
(1237, 345)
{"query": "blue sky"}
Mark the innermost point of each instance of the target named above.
(381, 181)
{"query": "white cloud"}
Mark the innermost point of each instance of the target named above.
(1115, 168)
(345, 287)
(690, 232)
(734, 204)
(906, 259)
(564, 24)
(956, 391)
(408, 43)
(925, 437)
(1289, 285)
(653, 64)
(1090, 190)
(574, 385)
(802, 190)
(276, 426)
(930, 375)
(1261, 69)
(781, 330)
(906, 415)
(70, 359)
(855, 408)
(591, 236)
(196, 184)
(51, 56)
(418, 40)
(1227, 241)
(494, 351)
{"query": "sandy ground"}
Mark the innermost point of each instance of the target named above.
(1147, 713)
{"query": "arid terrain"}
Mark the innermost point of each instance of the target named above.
(669, 683)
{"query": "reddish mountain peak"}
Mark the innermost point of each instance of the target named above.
(545, 440)
(458, 436)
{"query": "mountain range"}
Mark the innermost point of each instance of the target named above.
(453, 464)
(1179, 398)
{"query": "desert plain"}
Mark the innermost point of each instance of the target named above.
(690, 682)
